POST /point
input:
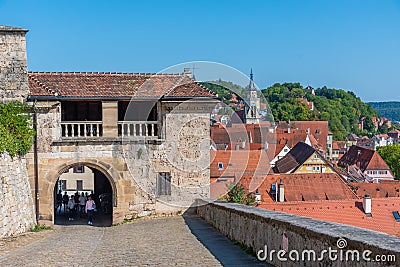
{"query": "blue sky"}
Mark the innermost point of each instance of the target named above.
(352, 45)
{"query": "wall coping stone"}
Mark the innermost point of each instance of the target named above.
(335, 230)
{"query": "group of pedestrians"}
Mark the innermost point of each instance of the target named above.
(76, 204)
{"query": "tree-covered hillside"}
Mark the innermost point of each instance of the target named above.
(390, 110)
(287, 102)
(342, 109)
(220, 87)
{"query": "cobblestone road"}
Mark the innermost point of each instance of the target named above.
(174, 241)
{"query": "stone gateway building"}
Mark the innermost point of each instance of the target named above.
(145, 137)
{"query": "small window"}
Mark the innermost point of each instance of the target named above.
(164, 184)
(79, 185)
(220, 166)
(79, 169)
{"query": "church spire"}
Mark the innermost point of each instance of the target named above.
(251, 86)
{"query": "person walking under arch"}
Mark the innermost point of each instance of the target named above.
(71, 207)
(65, 200)
(89, 208)
(82, 204)
(59, 201)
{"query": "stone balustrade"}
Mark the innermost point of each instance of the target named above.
(268, 232)
(137, 128)
(81, 129)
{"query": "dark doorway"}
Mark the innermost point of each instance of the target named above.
(81, 181)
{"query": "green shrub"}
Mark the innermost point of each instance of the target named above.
(16, 133)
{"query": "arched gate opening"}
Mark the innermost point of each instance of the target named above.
(75, 184)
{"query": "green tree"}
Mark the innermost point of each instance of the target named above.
(238, 194)
(391, 155)
(369, 126)
(384, 129)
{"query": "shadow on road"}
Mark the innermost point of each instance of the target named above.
(227, 253)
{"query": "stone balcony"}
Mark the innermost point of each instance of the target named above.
(124, 130)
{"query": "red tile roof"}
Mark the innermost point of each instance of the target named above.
(365, 159)
(339, 145)
(348, 212)
(303, 186)
(248, 133)
(378, 190)
(95, 84)
(319, 129)
(236, 164)
(239, 162)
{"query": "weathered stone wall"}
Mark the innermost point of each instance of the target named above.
(17, 212)
(13, 66)
(257, 228)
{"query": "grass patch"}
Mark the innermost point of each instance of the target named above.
(245, 248)
(39, 228)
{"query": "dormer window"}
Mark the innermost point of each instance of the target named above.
(220, 166)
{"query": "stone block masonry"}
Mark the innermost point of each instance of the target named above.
(17, 213)
(260, 229)
(13, 64)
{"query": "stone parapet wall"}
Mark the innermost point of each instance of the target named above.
(17, 213)
(258, 228)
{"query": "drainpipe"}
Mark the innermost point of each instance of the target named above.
(35, 163)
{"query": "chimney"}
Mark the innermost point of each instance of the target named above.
(237, 147)
(243, 144)
(288, 130)
(367, 203)
(281, 192)
(257, 196)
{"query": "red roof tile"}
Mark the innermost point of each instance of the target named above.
(348, 212)
(319, 129)
(378, 190)
(303, 186)
(94, 84)
(239, 162)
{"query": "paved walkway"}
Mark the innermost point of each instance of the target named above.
(174, 241)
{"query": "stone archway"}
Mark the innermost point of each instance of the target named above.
(54, 174)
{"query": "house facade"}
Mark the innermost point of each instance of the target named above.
(369, 162)
(302, 158)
